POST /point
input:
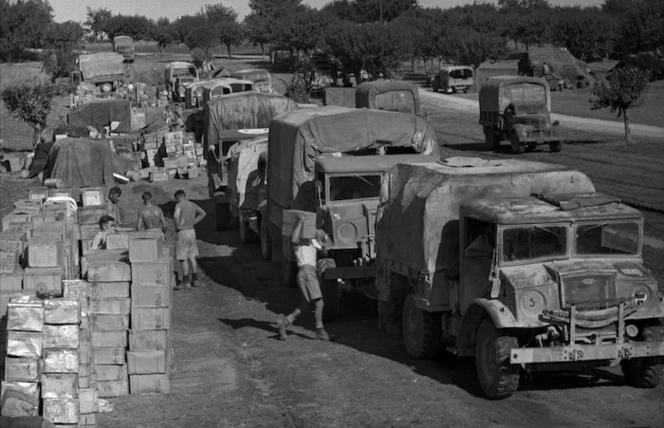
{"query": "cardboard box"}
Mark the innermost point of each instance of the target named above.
(146, 362)
(61, 336)
(87, 398)
(109, 339)
(117, 241)
(110, 322)
(158, 272)
(19, 399)
(91, 214)
(25, 344)
(59, 385)
(11, 282)
(93, 196)
(110, 356)
(76, 288)
(106, 372)
(38, 194)
(25, 315)
(21, 369)
(112, 388)
(105, 290)
(120, 306)
(14, 218)
(159, 176)
(88, 420)
(144, 248)
(44, 253)
(9, 261)
(5, 297)
(87, 231)
(62, 410)
(61, 361)
(290, 219)
(150, 318)
(108, 271)
(148, 340)
(62, 311)
(43, 280)
(150, 383)
(150, 296)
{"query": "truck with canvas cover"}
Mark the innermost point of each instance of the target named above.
(453, 79)
(124, 45)
(225, 86)
(388, 95)
(518, 109)
(229, 119)
(177, 75)
(104, 70)
(262, 79)
(328, 162)
(519, 264)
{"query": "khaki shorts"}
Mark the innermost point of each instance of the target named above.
(307, 281)
(186, 246)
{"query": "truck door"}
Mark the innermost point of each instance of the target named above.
(478, 245)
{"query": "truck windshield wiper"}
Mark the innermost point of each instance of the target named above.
(363, 179)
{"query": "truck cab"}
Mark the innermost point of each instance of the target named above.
(453, 79)
(177, 75)
(560, 279)
(124, 45)
(517, 109)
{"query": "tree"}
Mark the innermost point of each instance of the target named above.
(381, 10)
(257, 30)
(22, 25)
(587, 33)
(622, 90)
(470, 47)
(96, 21)
(203, 38)
(223, 20)
(270, 7)
(137, 27)
(163, 32)
(30, 102)
(60, 40)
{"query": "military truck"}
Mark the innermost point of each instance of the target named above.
(262, 79)
(104, 70)
(177, 75)
(329, 161)
(522, 265)
(388, 95)
(124, 45)
(453, 79)
(518, 109)
(228, 120)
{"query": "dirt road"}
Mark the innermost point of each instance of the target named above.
(231, 371)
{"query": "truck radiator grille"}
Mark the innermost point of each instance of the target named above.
(589, 291)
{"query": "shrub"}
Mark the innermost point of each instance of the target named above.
(30, 102)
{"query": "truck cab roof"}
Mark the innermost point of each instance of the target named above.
(362, 164)
(554, 208)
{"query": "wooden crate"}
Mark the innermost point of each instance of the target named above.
(144, 248)
(43, 280)
(106, 372)
(158, 272)
(105, 290)
(62, 410)
(150, 296)
(150, 383)
(108, 271)
(148, 340)
(115, 305)
(63, 361)
(109, 355)
(62, 311)
(21, 369)
(117, 241)
(91, 214)
(109, 339)
(59, 385)
(112, 388)
(146, 362)
(150, 318)
(109, 322)
(61, 336)
(92, 196)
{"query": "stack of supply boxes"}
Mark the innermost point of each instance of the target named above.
(170, 155)
(151, 295)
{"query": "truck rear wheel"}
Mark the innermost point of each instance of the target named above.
(435, 86)
(266, 242)
(498, 378)
(517, 147)
(643, 372)
(422, 331)
(246, 234)
(330, 289)
(491, 139)
(556, 146)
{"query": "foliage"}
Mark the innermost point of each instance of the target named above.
(163, 32)
(30, 102)
(203, 38)
(586, 33)
(470, 47)
(364, 11)
(622, 90)
(257, 30)
(22, 25)
(96, 21)
(223, 21)
(298, 88)
(137, 27)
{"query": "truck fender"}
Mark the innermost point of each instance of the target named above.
(520, 128)
(499, 313)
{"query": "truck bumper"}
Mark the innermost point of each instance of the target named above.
(574, 353)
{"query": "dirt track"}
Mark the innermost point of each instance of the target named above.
(230, 371)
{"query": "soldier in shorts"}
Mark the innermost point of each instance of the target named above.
(187, 214)
(307, 281)
(151, 217)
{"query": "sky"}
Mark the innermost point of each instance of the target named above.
(65, 10)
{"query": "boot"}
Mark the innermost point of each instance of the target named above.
(321, 334)
(184, 284)
(283, 327)
(194, 280)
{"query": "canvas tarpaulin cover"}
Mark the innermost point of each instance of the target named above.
(495, 93)
(387, 95)
(246, 110)
(242, 161)
(99, 114)
(101, 64)
(560, 59)
(339, 97)
(427, 198)
(84, 162)
(297, 138)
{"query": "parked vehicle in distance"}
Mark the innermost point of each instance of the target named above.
(225, 86)
(282, 60)
(124, 45)
(177, 75)
(262, 79)
(521, 265)
(388, 95)
(518, 109)
(453, 79)
(105, 70)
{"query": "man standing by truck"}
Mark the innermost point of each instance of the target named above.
(186, 215)
(307, 280)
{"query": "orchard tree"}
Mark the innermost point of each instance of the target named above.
(203, 38)
(256, 29)
(470, 47)
(223, 20)
(622, 90)
(587, 33)
(163, 32)
(30, 102)
(60, 40)
(96, 21)
(381, 10)
(22, 26)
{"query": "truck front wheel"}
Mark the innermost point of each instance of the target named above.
(643, 372)
(498, 378)
(517, 147)
(422, 331)
(435, 86)
(266, 242)
(491, 139)
(330, 290)
(246, 234)
(556, 146)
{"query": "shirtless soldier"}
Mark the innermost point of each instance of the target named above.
(151, 217)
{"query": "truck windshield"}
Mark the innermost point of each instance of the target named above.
(527, 97)
(354, 187)
(533, 242)
(401, 101)
(184, 72)
(601, 239)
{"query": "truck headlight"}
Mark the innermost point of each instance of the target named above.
(640, 295)
(532, 302)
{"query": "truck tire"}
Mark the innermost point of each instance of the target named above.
(223, 217)
(491, 139)
(422, 331)
(643, 372)
(556, 146)
(266, 242)
(246, 234)
(517, 147)
(330, 290)
(498, 378)
(434, 85)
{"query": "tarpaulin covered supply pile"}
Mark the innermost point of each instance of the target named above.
(99, 114)
(101, 65)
